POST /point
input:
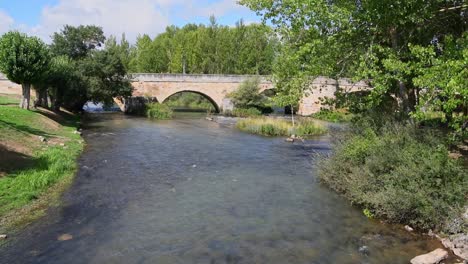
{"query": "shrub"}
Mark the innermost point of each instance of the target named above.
(279, 127)
(333, 116)
(246, 112)
(158, 111)
(398, 173)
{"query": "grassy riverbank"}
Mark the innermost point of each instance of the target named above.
(280, 127)
(39, 151)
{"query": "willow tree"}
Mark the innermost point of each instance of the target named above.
(23, 60)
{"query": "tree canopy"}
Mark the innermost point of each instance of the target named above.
(207, 49)
(394, 45)
(24, 60)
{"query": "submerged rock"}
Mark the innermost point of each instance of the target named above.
(364, 250)
(433, 257)
(65, 237)
(290, 140)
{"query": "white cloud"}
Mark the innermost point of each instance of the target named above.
(132, 17)
(116, 17)
(6, 22)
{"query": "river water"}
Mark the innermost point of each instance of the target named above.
(194, 191)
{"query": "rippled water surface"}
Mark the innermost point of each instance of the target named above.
(194, 191)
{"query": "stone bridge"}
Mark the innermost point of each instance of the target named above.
(216, 88)
(159, 87)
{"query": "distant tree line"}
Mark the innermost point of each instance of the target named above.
(202, 49)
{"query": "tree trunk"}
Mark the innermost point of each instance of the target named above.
(292, 116)
(41, 98)
(26, 96)
(402, 89)
(54, 100)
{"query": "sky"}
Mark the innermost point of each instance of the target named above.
(132, 17)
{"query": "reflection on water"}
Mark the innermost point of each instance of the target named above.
(193, 191)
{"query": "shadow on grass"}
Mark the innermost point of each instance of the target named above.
(63, 118)
(12, 161)
(25, 129)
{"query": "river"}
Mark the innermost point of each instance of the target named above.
(194, 191)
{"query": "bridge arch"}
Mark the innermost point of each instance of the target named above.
(210, 99)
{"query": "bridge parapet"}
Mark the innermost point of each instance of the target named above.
(195, 78)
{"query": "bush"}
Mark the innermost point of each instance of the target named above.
(246, 112)
(158, 111)
(399, 173)
(333, 116)
(279, 127)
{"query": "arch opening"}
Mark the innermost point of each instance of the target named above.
(191, 101)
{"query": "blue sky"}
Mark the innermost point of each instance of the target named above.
(132, 17)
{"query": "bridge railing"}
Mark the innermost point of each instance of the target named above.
(177, 77)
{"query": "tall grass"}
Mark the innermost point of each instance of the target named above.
(280, 127)
(159, 111)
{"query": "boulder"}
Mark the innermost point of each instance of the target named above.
(433, 257)
(409, 228)
(3, 237)
(458, 244)
(290, 140)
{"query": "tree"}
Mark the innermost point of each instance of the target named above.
(368, 39)
(76, 42)
(23, 59)
(248, 95)
(85, 73)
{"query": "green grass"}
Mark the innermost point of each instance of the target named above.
(280, 127)
(158, 111)
(48, 163)
(333, 116)
(9, 100)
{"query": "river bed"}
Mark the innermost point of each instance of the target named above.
(194, 191)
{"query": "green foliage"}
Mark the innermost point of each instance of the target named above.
(8, 100)
(368, 213)
(445, 82)
(77, 42)
(333, 116)
(207, 49)
(248, 95)
(279, 127)
(398, 173)
(23, 59)
(246, 112)
(189, 100)
(80, 73)
(405, 49)
(158, 111)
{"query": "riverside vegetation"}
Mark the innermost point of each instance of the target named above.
(414, 55)
(39, 151)
(279, 127)
(158, 111)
